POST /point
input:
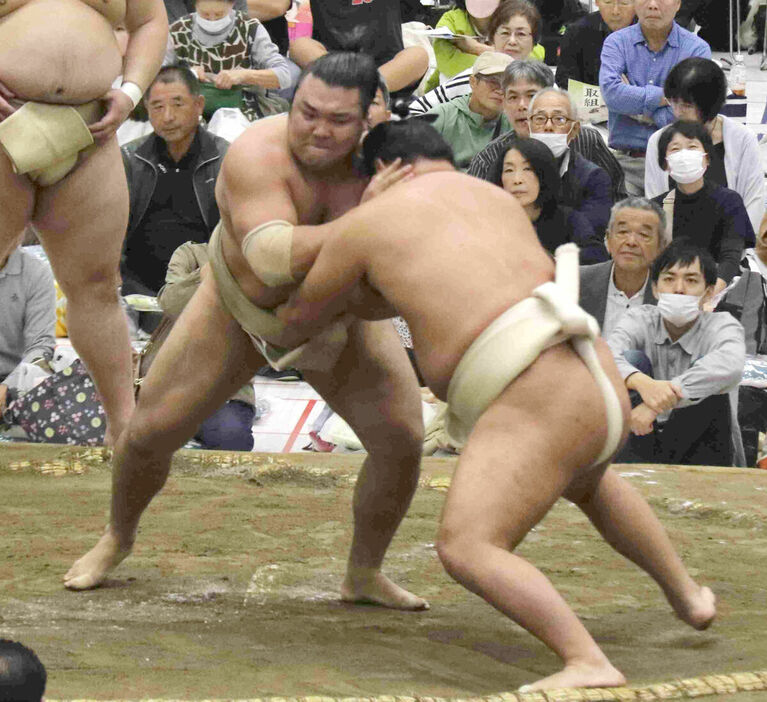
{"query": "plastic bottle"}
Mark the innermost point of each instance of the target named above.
(738, 76)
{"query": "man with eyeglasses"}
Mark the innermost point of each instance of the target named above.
(635, 237)
(585, 186)
(521, 80)
(635, 63)
(581, 46)
(469, 123)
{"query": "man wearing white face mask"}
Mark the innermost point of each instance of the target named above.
(585, 186)
(683, 363)
(713, 216)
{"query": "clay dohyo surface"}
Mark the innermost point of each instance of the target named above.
(231, 591)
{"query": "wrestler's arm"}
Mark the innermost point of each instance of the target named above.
(147, 24)
(330, 289)
(251, 195)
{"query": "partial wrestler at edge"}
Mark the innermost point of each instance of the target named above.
(533, 395)
(60, 166)
(282, 172)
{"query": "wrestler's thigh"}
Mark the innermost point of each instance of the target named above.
(82, 218)
(17, 197)
(538, 437)
(373, 386)
(203, 362)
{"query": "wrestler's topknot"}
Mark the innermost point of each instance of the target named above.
(345, 69)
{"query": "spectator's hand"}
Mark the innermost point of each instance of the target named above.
(658, 395)
(625, 79)
(199, 71)
(710, 304)
(471, 46)
(3, 399)
(6, 109)
(642, 418)
(119, 107)
(226, 79)
(386, 177)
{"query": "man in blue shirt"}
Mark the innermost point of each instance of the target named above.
(635, 63)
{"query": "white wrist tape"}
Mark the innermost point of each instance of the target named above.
(133, 92)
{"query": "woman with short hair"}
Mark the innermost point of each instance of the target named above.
(696, 89)
(236, 61)
(711, 215)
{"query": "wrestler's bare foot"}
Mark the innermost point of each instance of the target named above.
(370, 586)
(580, 675)
(90, 570)
(697, 609)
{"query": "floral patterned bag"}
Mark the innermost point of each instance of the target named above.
(63, 409)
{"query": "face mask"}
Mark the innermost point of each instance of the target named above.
(214, 26)
(686, 166)
(678, 309)
(556, 142)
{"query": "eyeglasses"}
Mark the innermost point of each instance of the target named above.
(540, 119)
(518, 34)
(492, 83)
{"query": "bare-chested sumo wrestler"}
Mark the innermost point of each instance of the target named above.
(533, 394)
(282, 172)
(60, 166)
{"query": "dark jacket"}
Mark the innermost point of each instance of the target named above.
(580, 51)
(140, 159)
(586, 188)
(565, 224)
(595, 281)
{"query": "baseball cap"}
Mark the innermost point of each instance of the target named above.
(481, 8)
(491, 62)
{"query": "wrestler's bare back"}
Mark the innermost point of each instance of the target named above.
(44, 54)
(459, 252)
(280, 188)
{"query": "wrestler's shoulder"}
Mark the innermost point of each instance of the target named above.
(263, 145)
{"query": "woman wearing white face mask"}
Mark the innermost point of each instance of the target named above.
(696, 89)
(233, 56)
(712, 216)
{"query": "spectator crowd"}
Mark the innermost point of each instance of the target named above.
(662, 193)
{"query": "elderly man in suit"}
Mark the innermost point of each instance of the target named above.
(635, 236)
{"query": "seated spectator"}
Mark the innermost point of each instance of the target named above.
(585, 186)
(635, 236)
(374, 28)
(233, 57)
(529, 172)
(521, 81)
(713, 216)
(380, 109)
(470, 122)
(229, 428)
(512, 29)
(22, 674)
(473, 19)
(556, 15)
(171, 180)
(581, 46)
(27, 316)
(755, 259)
(682, 363)
(271, 13)
(696, 89)
(634, 64)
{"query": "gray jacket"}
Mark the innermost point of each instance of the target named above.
(595, 281)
